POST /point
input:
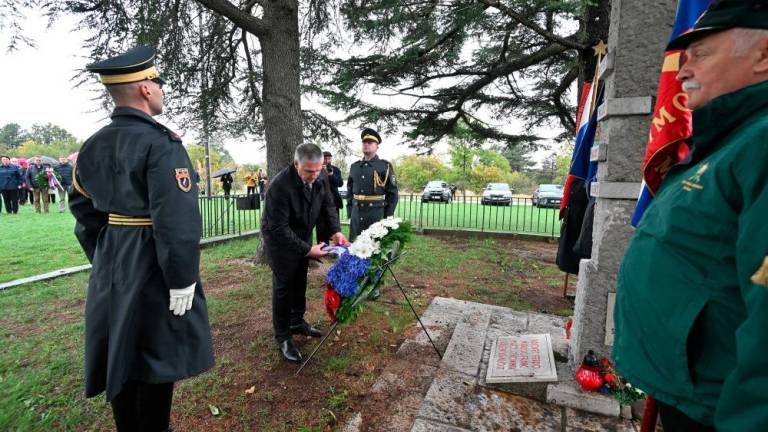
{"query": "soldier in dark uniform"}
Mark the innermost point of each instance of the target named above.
(135, 201)
(371, 188)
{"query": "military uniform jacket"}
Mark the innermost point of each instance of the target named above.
(290, 214)
(374, 179)
(691, 310)
(136, 168)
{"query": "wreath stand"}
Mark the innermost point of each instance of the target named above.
(387, 266)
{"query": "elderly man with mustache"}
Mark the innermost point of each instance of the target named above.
(692, 297)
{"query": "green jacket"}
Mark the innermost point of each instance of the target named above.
(691, 308)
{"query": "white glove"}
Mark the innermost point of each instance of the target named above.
(181, 299)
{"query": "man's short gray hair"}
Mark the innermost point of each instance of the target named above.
(308, 152)
(746, 38)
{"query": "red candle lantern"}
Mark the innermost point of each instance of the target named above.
(588, 374)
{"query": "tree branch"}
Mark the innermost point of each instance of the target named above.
(245, 20)
(531, 25)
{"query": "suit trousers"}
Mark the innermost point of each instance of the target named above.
(289, 300)
(11, 198)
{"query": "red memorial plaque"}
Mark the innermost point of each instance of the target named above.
(524, 358)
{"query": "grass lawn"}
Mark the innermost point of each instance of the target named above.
(41, 329)
(37, 243)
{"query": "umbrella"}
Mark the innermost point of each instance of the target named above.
(73, 156)
(46, 160)
(221, 171)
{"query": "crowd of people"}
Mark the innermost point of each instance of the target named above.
(35, 182)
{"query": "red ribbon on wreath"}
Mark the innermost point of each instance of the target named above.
(332, 301)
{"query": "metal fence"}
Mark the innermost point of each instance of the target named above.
(221, 216)
(472, 213)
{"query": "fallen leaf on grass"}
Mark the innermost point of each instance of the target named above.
(214, 410)
(251, 390)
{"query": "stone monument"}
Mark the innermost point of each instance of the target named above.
(639, 32)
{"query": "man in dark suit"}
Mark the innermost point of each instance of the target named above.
(294, 202)
(333, 176)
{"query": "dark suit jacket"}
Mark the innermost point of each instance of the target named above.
(336, 182)
(290, 214)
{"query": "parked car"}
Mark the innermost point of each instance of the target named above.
(547, 195)
(436, 190)
(497, 193)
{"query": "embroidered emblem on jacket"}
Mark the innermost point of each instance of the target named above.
(694, 181)
(183, 180)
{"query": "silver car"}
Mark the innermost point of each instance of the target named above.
(547, 195)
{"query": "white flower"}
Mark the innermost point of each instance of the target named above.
(377, 231)
(364, 246)
(391, 222)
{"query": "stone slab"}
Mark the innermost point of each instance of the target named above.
(523, 358)
(421, 425)
(580, 421)
(570, 395)
(456, 401)
(615, 190)
(626, 106)
(465, 350)
(447, 399)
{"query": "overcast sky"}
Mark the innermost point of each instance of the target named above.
(38, 88)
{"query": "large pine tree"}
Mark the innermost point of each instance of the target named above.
(474, 62)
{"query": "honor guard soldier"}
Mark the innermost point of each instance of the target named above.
(135, 202)
(371, 189)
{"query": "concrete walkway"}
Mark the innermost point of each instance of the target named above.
(450, 395)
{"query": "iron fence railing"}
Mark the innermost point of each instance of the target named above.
(223, 217)
(473, 213)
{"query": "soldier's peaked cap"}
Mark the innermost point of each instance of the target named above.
(137, 64)
(369, 134)
(723, 15)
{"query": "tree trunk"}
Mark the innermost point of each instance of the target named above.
(597, 19)
(281, 91)
(281, 88)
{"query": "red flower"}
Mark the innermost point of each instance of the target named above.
(605, 362)
(610, 379)
(332, 302)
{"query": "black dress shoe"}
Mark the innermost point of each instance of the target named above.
(289, 351)
(306, 330)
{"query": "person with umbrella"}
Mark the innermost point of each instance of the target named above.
(226, 179)
(39, 190)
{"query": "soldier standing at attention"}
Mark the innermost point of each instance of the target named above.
(135, 202)
(371, 189)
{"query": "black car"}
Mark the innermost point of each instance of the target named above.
(436, 190)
